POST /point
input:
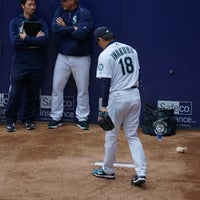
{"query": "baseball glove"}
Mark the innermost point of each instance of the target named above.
(105, 121)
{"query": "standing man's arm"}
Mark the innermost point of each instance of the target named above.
(14, 31)
(59, 25)
(20, 39)
(83, 27)
(41, 38)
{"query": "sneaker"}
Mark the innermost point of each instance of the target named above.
(55, 124)
(83, 125)
(10, 127)
(29, 125)
(101, 174)
(138, 180)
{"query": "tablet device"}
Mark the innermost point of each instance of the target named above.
(32, 27)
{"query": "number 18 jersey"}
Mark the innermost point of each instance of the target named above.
(119, 62)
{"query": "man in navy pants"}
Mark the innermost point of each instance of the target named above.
(27, 64)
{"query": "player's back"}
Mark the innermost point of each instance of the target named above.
(125, 66)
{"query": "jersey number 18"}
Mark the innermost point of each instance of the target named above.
(126, 65)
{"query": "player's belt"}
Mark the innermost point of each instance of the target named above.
(133, 87)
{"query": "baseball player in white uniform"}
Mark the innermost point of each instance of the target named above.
(118, 68)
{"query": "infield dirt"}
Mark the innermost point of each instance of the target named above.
(56, 164)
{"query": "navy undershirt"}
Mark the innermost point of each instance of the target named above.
(105, 91)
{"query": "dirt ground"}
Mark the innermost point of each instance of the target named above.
(45, 164)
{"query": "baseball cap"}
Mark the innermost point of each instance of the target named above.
(102, 32)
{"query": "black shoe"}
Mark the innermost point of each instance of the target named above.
(101, 174)
(55, 124)
(83, 125)
(10, 127)
(29, 125)
(138, 180)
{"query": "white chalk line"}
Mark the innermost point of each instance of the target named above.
(125, 165)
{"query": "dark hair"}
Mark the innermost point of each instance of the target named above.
(24, 1)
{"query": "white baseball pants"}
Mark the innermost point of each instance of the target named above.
(124, 109)
(79, 67)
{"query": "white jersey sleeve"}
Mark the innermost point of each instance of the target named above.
(104, 69)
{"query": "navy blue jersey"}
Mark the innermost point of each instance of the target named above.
(73, 42)
(28, 53)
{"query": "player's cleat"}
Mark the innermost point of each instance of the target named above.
(138, 180)
(29, 125)
(101, 174)
(55, 124)
(83, 125)
(10, 127)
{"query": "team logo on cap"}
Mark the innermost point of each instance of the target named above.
(100, 67)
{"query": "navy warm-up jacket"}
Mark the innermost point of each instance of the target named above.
(28, 53)
(73, 42)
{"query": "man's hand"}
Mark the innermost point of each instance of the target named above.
(60, 21)
(22, 35)
(40, 34)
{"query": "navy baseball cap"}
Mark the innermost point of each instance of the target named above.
(102, 32)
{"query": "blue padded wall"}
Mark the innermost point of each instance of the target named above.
(164, 32)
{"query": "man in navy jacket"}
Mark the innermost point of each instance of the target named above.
(72, 24)
(27, 64)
